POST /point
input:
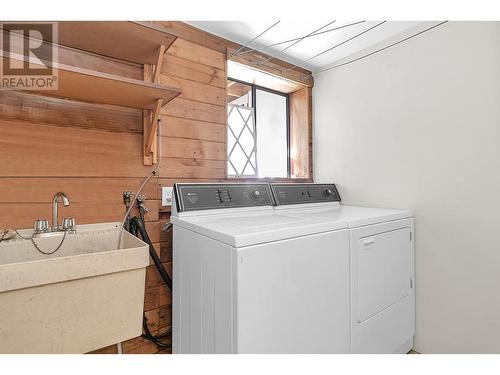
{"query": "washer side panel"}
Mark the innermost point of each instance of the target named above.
(202, 295)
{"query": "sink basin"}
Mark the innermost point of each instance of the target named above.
(87, 295)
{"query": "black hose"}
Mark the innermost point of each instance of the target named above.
(137, 226)
(155, 339)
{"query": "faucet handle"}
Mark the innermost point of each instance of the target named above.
(41, 226)
(68, 223)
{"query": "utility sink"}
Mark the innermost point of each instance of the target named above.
(87, 295)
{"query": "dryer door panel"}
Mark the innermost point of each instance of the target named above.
(384, 271)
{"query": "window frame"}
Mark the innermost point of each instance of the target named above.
(254, 105)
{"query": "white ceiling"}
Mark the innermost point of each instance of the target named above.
(301, 52)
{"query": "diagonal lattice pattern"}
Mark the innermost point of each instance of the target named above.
(241, 141)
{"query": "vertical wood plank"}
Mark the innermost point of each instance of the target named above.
(300, 133)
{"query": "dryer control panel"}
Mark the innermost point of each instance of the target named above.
(304, 193)
(193, 197)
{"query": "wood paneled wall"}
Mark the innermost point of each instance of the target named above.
(94, 153)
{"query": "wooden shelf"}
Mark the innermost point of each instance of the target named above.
(97, 87)
(137, 42)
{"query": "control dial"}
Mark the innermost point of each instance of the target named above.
(219, 196)
(306, 193)
(256, 195)
(327, 192)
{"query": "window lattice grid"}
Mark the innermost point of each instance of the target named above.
(242, 146)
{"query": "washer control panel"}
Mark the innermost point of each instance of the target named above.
(304, 193)
(192, 197)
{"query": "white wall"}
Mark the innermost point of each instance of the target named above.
(418, 126)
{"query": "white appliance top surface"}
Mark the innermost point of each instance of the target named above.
(354, 216)
(251, 228)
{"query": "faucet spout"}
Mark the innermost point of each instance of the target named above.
(55, 208)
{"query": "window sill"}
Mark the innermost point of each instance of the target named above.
(269, 179)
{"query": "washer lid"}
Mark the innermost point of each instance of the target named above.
(251, 228)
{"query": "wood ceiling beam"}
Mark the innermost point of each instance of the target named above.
(275, 67)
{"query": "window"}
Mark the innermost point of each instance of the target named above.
(258, 131)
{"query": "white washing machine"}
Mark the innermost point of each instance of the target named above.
(249, 280)
(382, 293)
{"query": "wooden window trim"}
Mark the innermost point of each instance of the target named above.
(299, 136)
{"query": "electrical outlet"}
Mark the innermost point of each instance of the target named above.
(166, 195)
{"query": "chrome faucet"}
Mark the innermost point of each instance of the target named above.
(55, 204)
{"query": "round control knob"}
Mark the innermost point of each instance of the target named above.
(255, 195)
(68, 223)
(41, 225)
(327, 192)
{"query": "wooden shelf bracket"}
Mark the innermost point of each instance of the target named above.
(159, 62)
(150, 133)
(151, 118)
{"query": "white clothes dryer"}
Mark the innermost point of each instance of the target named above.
(381, 271)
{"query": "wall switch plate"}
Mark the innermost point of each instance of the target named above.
(166, 195)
